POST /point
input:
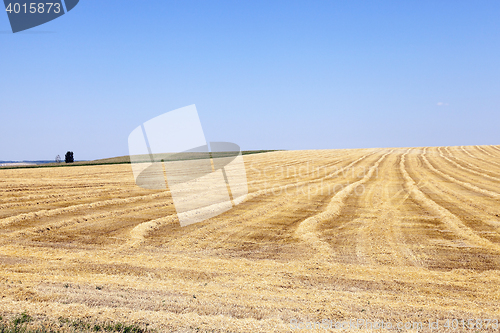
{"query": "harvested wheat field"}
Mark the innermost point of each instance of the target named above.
(395, 235)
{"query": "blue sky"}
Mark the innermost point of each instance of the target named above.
(263, 74)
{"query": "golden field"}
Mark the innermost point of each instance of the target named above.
(393, 235)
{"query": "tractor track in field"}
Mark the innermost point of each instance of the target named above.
(485, 164)
(307, 229)
(465, 184)
(470, 169)
(104, 204)
(431, 199)
(382, 241)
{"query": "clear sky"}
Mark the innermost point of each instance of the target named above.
(263, 74)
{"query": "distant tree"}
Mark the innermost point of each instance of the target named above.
(68, 158)
(58, 159)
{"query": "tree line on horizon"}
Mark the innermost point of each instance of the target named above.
(68, 158)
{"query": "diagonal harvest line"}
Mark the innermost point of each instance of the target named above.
(228, 186)
(64, 6)
(147, 143)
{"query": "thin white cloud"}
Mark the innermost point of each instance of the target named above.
(442, 104)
